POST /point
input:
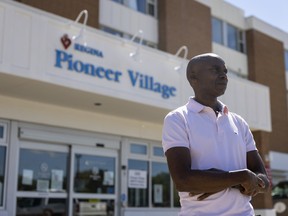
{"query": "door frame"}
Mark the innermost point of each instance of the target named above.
(96, 151)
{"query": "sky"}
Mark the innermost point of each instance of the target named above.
(274, 12)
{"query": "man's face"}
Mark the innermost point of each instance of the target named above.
(211, 78)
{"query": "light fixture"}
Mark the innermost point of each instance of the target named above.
(136, 55)
(83, 28)
(185, 49)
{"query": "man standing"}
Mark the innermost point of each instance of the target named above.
(210, 151)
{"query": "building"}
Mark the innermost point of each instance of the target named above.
(84, 87)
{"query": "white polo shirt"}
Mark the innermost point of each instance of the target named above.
(214, 142)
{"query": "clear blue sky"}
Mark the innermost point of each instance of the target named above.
(274, 12)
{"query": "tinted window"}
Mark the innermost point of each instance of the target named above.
(94, 174)
(160, 185)
(41, 170)
(217, 30)
(232, 37)
(138, 183)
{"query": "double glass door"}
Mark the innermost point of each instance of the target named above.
(66, 180)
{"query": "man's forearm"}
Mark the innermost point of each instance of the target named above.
(209, 181)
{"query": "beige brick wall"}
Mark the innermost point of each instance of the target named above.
(184, 22)
(68, 8)
(266, 66)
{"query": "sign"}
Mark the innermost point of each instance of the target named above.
(27, 177)
(137, 179)
(57, 180)
(158, 193)
(108, 66)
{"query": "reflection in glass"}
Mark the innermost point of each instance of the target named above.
(41, 170)
(41, 207)
(93, 207)
(137, 195)
(160, 185)
(94, 174)
(2, 172)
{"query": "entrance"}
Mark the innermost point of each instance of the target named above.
(94, 182)
(66, 180)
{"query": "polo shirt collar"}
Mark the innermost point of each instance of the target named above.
(197, 107)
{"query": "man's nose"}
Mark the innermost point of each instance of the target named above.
(223, 76)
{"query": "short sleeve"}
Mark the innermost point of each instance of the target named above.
(248, 136)
(174, 133)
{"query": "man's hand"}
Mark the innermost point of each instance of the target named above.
(251, 186)
(252, 183)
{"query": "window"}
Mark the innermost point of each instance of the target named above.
(41, 206)
(143, 6)
(3, 156)
(232, 37)
(151, 7)
(127, 36)
(118, 1)
(228, 35)
(235, 38)
(217, 30)
(286, 60)
(94, 174)
(138, 183)
(112, 31)
(149, 182)
(2, 172)
(3, 131)
(43, 171)
(138, 149)
(158, 151)
(160, 185)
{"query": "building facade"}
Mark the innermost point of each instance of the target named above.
(85, 86)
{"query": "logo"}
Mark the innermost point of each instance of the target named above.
(66, 41)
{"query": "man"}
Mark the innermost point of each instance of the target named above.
(210, 151)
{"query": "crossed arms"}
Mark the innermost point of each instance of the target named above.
(250, 181)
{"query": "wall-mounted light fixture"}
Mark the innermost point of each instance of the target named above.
(185, 49)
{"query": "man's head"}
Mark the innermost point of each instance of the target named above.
(207, 74)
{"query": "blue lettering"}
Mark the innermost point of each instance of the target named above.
(78, 66)
(100, 72)
(147, 83)
(61, 56)
(88, 50)
(133, 77)
(64, 59)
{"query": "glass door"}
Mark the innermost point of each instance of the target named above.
(42, 180)
(94, 181)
